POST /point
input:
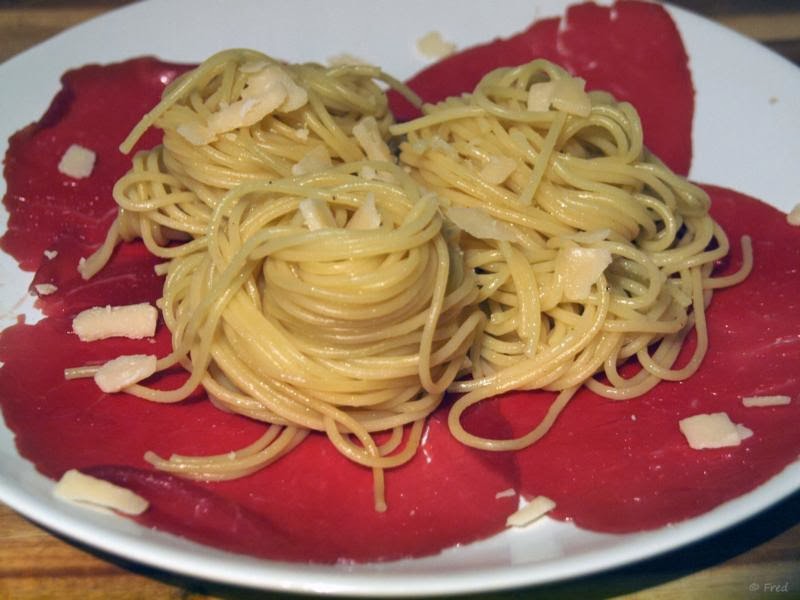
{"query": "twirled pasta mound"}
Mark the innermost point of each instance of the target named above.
(308, 284)
(525, 240)
(326, 303)
(239, 117)
(589, 252)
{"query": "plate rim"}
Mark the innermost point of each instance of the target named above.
(324, 579)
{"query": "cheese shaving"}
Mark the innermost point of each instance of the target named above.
(479, 224)
(45, 289)
(119, 373)
(751, 401)
(366, 216)
(497, 170)
(432, 45)
(714, 430)
(793, 218)
(269, 89)
(316, 214)
(534, 510)
(77, 162)
(196, 134)
(744, 432)
(253, 66)
(347, 60)
(272, 78)
(540, 95)
(507, 493)
(566, 95)
(86, 490)
(317, 159)
(579, 269)
(134, 321)
(369, 138)
(570, 97)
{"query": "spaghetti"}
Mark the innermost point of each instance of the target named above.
(324, 298)
(569, 189)
(527, 240)
(240, 117)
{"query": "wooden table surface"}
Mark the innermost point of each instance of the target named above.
(757, 559)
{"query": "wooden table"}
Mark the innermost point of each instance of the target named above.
(758, 559)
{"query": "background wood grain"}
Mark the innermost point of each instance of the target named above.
(757, 559)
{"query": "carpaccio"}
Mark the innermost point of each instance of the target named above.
(610, 466)
(631, 49)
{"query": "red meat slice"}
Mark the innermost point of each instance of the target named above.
(631, 49)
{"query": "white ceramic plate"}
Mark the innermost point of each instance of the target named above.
(746, 136)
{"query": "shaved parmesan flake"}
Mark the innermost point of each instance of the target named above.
(570, 97)
(479, 224)
(579, 269)
(77, 487)
(269, 89)
(316, 214)
(744, 432)
(347, 60)
(77, 162)
(566, 95)
(366, 216)
(45, 289)
(432, 45)
(497, 170)
(135, 321)
(274, 77)
(535, 509)
(793, 218)
(121, 372)
(369, 138)
(766, 400)
(317, 159)
(82, 268)
(246, 112)
(507, 493)
(714, 430)
(540, 95)
(253, 66)
(196, 134)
